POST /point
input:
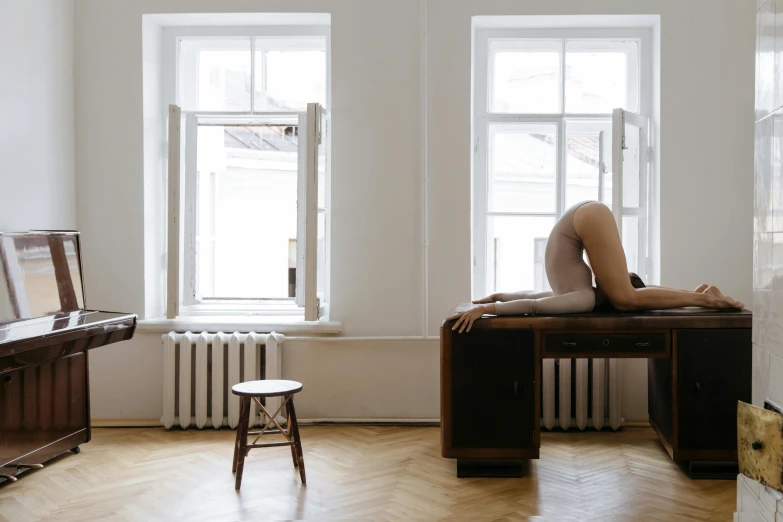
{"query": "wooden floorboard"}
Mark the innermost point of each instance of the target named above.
(359, 472)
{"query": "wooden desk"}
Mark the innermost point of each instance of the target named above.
(699, 366)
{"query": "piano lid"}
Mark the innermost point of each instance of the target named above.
(40, 275)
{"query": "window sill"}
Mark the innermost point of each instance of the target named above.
(281, 324)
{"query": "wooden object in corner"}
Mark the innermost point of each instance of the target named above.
(760, 445)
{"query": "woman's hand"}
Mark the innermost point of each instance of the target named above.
(465, 318)
(494, 298)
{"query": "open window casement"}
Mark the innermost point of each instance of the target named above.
(176, 155)
(194, 139)
(630, 150)
(314, 214)
(324, 213)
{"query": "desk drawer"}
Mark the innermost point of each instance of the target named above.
(641, 345)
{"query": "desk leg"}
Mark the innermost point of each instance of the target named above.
(491, 468)
(713, 469)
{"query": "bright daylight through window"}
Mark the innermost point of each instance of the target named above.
(253, 123)
(547, 106)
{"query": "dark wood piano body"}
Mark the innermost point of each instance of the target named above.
(45, 333)
(699, 366)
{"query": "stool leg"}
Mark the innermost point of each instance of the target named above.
(297, 440)
(244, 420)
(290, 433)
(238, 437)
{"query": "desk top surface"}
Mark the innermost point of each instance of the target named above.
(649, 320)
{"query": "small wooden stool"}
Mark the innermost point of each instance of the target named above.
(254, 390)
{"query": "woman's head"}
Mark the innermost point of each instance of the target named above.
(602, 300)
(636, 281)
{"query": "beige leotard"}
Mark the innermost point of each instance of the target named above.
(569, 276)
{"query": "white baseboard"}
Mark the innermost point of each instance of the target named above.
(637, 423)
(155, 423)
(353, 420)
(125, 423)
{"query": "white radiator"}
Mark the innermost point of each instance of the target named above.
(603, 395)
(199, 370)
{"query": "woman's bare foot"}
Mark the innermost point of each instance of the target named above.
(701, 288)
(720, 301)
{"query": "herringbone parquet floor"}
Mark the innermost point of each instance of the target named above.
(359, 472)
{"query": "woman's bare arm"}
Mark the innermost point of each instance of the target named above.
(524, 294)
(513, 296)
(571, 303)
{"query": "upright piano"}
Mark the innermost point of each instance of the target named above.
(45, 333)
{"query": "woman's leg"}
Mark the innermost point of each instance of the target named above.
(596, 227)
(699, 289)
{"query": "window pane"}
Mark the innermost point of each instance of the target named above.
(607, 198)
(247, 183)
(323, 162)
(290, 74)
(524, 76)
(588, 148)
(601, 76)
(631, 166)
(522, 167)
(515, 253)
(631, 242)
(321, 257)
(324, 170)
(205, 235)
(214, 74)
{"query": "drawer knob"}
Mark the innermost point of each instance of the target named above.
(642, 345)
(757, 445)
(8, 378)
(566, 343)
(605, 342)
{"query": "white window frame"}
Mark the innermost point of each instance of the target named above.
(620, 120)
(181, 253)
(483, 118)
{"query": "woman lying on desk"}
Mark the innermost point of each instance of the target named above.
(590, 226)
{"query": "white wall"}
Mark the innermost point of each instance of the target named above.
(36, 115)
(378, 277)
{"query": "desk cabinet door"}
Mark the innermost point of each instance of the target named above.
(493, 389)
(713, 373)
